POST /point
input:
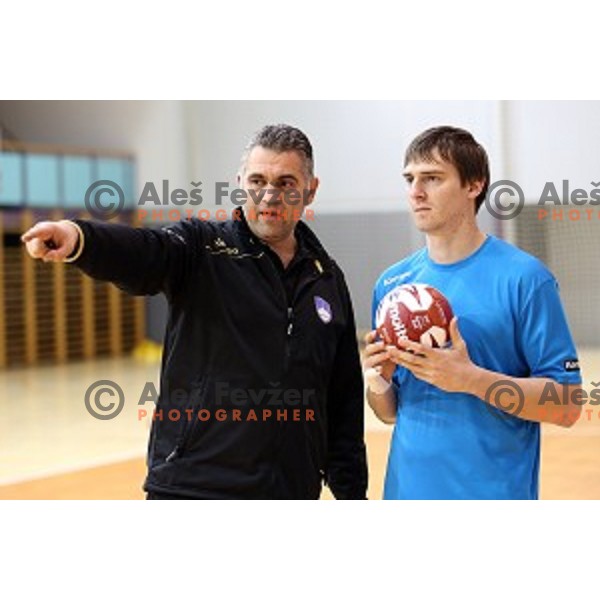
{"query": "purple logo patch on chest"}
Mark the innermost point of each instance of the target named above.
(323, 309)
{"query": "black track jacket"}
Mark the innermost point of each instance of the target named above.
(269, 390)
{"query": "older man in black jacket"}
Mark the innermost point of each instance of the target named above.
(260, 355)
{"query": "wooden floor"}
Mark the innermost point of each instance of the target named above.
(570, 470)
(51, 448)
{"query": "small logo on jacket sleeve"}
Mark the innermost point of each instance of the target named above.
(323, 309)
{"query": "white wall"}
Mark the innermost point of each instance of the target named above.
(552, 141)
(358, 146)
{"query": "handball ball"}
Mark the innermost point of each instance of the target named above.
(416, 312)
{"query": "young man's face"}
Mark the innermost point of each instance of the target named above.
(440, 203)
(280, 178)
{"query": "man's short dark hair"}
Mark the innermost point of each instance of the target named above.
(458, 147)
(283, 138)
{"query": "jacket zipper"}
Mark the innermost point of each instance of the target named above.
(288, 338)
(290, 310)
(289, 330)
(180, 446)
(173, 454)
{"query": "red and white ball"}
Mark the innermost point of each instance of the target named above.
(416, 312)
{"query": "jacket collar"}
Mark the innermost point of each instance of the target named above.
(304, 234)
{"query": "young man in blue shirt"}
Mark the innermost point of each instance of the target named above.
(453, 437)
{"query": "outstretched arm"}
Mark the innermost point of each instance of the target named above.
(138, 260)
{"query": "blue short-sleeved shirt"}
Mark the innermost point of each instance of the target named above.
(454, 445)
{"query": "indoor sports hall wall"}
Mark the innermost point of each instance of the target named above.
(570, 249)
(361, 210)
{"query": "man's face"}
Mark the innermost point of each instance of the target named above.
(440, 203)
(279, 180)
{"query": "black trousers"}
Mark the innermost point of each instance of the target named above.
(161, 496)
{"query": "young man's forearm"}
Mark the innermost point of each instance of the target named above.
(532, 398)
(384, 405)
